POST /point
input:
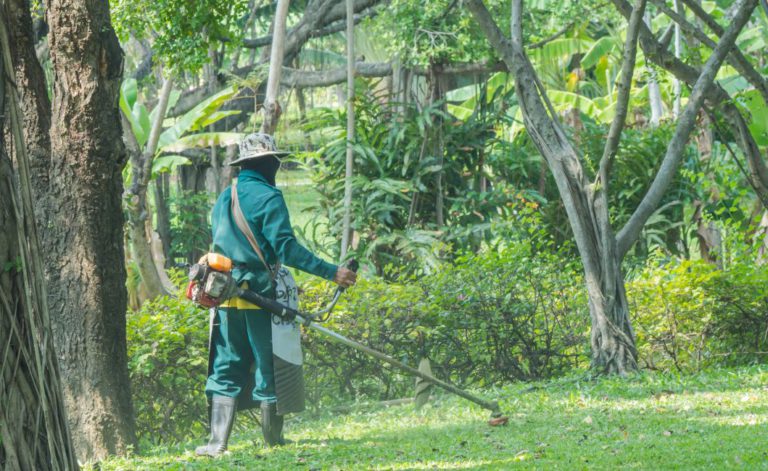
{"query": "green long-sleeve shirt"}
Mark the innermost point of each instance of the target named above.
(264, 208)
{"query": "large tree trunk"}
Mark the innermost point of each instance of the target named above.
(33, 424)
(83, 238)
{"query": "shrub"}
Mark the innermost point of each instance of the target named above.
(508, 314)
(167, 359)
(689, 314)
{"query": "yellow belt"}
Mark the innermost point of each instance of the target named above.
(239, 303)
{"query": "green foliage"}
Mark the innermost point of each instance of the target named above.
(400, 152)
(689, 314)
(167, 358)
(517, 313)
(190, 229)
(184, 132)
(181, 32)
(637, 161)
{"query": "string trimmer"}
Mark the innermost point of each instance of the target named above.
(211, 283)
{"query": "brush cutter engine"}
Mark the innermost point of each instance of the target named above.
(210, 281)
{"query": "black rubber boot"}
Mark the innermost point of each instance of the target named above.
(222, 418)
(271, 425)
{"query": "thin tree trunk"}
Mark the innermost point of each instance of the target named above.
(139, 214)
(161, 187)
(436, 96)
(33, 425)
(654, 92)
(346, 234)
(272, 109)
(676, 84)
(84, 232)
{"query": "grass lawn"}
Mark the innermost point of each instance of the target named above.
(299, 194)
(713, 420)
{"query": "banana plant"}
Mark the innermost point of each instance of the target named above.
(179, 134)
(154, 144)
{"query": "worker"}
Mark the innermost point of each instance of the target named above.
(243, 365)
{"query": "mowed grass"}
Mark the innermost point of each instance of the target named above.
(299, 193)
(713, 420)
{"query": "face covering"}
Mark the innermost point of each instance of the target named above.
(267, 167)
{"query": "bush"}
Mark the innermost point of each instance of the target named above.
(689, 314)
(510, 314)
(167, 360)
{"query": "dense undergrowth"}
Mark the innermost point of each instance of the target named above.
(716, 419)
(514, 313)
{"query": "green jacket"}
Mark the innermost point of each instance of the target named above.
(264, 208)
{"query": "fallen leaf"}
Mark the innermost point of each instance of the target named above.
(497, 421)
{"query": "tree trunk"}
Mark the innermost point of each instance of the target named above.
(272, 109)
(162, 191)
(33, 93)
(654, 92)
(677, 86)
(84, 233)
(436, 96)
(346, 230)
(139, 214)
(33, 423)
(586, 203)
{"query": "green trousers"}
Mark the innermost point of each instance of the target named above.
(242, 339)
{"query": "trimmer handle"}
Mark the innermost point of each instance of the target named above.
(353, 265)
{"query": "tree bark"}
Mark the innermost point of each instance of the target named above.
(33, 423)
(162, 184)
(33, 93)
(83, 238)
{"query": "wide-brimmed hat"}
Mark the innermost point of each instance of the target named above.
(256, 146)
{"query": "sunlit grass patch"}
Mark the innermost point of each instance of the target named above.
(713, 420)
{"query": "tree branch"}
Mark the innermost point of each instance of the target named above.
(736, 58)
(332, 28)
(628, 235)
(296, 78)
(659, 55)
(625, 87)
(154, 134)
(548, 40)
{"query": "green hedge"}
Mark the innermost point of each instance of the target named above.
(689, 314)
(167, 361)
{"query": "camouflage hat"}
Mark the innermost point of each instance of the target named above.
(257, 145)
